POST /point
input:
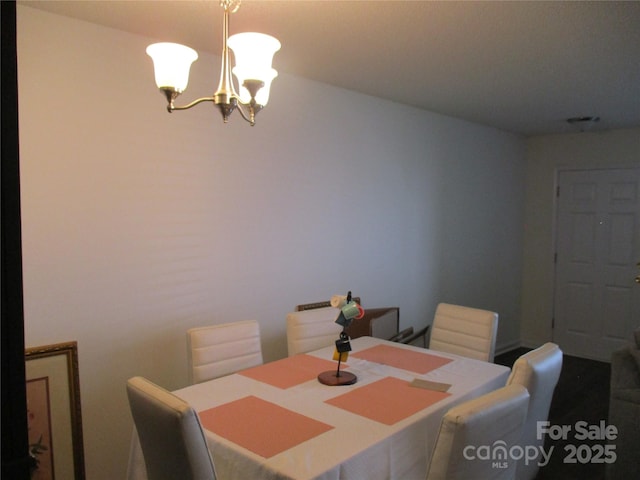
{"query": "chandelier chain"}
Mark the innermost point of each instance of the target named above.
(231, 6)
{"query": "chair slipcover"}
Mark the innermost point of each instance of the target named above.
(171, 437)
(538, 371)
(465, 331)
(218, 350)
(312, 329)
(491, 421)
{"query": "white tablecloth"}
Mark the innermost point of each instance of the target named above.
(356, 448)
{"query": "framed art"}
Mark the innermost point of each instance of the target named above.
(53, 411)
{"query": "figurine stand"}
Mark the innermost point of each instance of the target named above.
(348, 311)
(334, 379)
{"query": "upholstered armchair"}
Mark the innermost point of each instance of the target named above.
(624, 410)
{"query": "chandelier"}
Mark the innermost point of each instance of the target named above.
(253, 54)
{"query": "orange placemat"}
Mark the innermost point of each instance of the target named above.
(260, 426)
(387, 401)
(417, 362)
(290, 371)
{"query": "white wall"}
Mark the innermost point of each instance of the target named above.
(138, 224)
(545, 156)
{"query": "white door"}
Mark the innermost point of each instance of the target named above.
(597, 301)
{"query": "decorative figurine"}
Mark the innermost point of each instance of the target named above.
(349, 311)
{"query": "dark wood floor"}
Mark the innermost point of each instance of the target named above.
(582, 394)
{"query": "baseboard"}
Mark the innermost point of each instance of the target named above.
(528, 343)
(507, 347)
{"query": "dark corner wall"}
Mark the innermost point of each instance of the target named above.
(15, 458)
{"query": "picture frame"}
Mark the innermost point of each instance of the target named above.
(54, 412)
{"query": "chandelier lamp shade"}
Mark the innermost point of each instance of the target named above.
(253, 53)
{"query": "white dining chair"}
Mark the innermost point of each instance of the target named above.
(170, 434)
(309, 330)
(466, 331)
(538, 371)
(496, 418)
(218, 350)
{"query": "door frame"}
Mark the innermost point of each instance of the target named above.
(554, 230)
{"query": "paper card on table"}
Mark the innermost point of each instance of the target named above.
(429, 385)
(417, 362)
(260, 426)
(387, 401)
(290, 371)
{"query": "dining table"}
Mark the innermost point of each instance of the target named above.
(277, 421)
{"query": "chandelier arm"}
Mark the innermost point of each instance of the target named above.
(250, 116)
(172, 107)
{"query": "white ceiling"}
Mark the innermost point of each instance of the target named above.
(521, 66)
